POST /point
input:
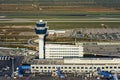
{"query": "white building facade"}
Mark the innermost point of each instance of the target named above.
(61, 51)
(82, 65)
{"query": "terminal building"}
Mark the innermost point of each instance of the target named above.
(58, 51)
(70, 65)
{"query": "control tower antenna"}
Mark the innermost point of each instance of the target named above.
(41, 30)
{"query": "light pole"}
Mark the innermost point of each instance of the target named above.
(12, 66)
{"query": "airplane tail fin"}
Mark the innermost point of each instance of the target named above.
(98, 69)
(115, 77)
(60, 74)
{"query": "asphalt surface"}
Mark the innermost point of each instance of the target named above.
(15, 20)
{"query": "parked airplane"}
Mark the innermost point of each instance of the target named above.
(107, 75)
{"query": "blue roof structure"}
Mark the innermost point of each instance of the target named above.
(22, 69)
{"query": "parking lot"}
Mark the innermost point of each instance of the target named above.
(9, 64)
(108, 34)
(105, 50)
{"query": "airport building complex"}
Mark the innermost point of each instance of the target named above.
(68, 57)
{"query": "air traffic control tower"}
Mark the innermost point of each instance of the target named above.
(41, 30)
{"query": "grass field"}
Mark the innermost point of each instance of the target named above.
(83, 3)
(68, 25)
(37, 11)
(66, 16)
(73, 25)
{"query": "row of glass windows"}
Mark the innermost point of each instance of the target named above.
(106, 67)
(66, 71)
(63, 51)
(71, 56)
(64, 54)
(64, 48)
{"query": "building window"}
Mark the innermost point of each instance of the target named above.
(90, 68)
(33, 67)
(45, 67)
(86, 71)
(82, 67)
(78, 67)
(73, 67)
(115, 67)
(69, 67)
(119, 67)
(37, 67)
(110, 67)
(106, 67)
(70, 71)
(102, 67)
(49, 67)
(53, 67)
(65, 67)
(41, 67)
(94, 67)
(86, 67)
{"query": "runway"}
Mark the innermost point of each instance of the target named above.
(20, 20)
